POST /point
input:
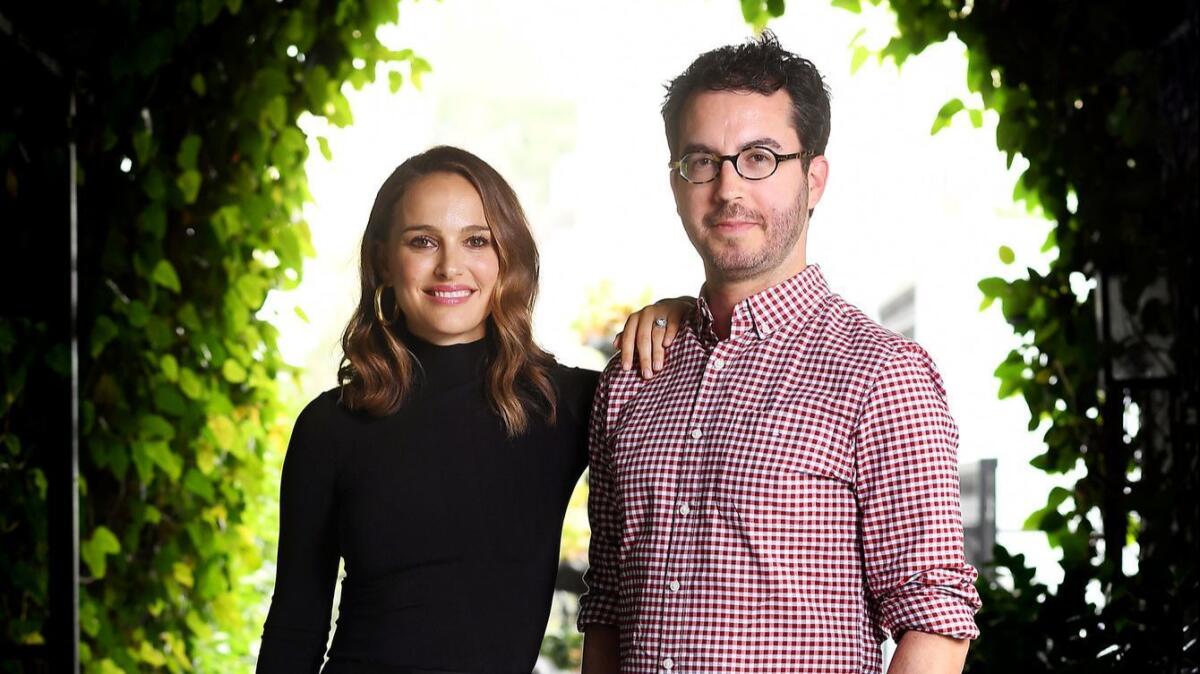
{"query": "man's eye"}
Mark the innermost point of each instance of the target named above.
(759, 157)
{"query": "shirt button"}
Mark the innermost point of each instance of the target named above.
(668, 663)
(674, 586)
(697, 433)
(717, 363)
(684, 509)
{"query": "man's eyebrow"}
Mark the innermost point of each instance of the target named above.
(697, 147)
(757, 142)
(763, 142)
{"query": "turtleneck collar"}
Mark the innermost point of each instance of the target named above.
(444, 367)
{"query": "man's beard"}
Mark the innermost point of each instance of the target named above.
(783, 230)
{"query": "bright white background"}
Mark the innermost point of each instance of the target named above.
(563, 99)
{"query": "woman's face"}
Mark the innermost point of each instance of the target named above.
(441, 261)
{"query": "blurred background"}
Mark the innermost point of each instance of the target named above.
(1012, 186)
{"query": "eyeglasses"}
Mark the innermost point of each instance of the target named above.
(753, 163)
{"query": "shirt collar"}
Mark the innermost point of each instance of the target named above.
(767, 310)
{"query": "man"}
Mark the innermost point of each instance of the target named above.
(783, 496)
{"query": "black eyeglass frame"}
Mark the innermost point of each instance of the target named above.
(677, 165)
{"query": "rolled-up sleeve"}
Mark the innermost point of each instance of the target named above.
(908, 496)
(598, 605)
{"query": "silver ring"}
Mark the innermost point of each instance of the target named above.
(660, 322)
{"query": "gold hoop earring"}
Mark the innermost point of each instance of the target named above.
(379, 306)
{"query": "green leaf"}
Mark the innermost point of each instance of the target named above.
(854, 6)
(161, 455)
(107, 666)
(143, 147)
(151, 655)
(154, 427)
(169, 367)
(167, 399)
(323, 144)
(165, 276)
(858, 58)
(189, 149)
(190, 384)
(196, 483)
(198, 84)
(188, 317)
(154, 221)
(418, 67)
(153, 185)
(223, 431)
(274, 115)
(233, 371)
(946, 114)
(300, 312)
(1051, 241)
(976, 118)
(395, 80)
(1006, 255)
(103, 332)
(188, 183)
(95, 550)
(994, 287)
(182, 573)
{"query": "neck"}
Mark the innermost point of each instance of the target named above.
(723, 295)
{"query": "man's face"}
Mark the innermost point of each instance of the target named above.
(746, 229)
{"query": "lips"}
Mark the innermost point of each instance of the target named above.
(450, 294)
(734, 224)
(733, 218)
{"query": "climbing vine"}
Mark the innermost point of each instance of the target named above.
(191, 184)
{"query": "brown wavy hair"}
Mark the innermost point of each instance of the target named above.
(377, 370)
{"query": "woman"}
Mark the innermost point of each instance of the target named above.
(441, 467)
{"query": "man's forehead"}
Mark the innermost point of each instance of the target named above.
(736, 118)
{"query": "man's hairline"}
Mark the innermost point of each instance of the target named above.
(701, 90)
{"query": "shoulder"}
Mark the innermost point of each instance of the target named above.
(882, 357)
(325, 417)
(860, 341)
(576, 387)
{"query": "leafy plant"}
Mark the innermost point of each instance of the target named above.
(191, 185)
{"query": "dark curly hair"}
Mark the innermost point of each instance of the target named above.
(763, 67)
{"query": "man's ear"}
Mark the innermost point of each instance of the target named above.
(818, 174)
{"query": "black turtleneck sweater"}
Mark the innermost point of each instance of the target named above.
(449, 530)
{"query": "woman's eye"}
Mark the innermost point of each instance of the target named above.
(479, 242)
(422, 242)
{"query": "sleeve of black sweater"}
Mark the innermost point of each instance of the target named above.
(297, 626)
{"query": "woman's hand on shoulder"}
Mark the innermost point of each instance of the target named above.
(649, 331)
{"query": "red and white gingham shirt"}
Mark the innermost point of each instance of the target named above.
(779, 501)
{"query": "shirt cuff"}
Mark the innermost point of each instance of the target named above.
(596, 609)
(938, 601)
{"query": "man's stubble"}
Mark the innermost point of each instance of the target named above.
(783, 230)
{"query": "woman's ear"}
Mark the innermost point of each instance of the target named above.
(380, 257)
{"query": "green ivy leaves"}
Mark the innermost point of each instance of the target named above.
(95, 550)
(197, 147)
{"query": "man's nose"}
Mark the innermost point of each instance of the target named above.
(730, 184)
